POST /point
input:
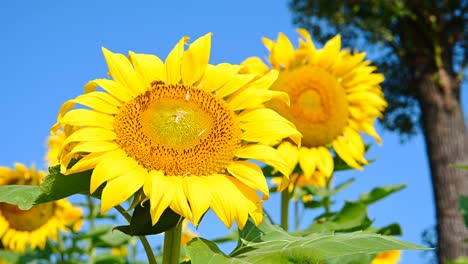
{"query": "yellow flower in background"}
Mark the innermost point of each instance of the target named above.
(334, 96)
(55, 143)
(181, 131)
(187, 234)
(22, 228)
(388, 257)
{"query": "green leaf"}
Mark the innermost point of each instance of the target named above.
(112, 239)
(200, 250)
(463, 207)
(141, 225)
(379, 193)
(55, 186)
(351, 216)
(270, 244)
(21, 195)
(342, 186)
(352, 259)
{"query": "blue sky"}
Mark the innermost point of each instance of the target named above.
(50, 49)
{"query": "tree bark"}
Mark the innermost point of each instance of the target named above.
(446, 140)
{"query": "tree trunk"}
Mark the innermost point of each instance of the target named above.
(447, 144)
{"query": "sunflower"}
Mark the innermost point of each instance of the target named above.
(182, 132)
(387, 257)
(21, 228)
(335, 95)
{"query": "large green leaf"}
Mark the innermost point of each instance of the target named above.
(352, 259)
(55, 186)
(379, 193)
(270, 244)
(463, 206)
(141, 224)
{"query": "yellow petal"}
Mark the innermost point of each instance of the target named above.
(94, 146)
(329, 53)
(122, 70)
(265, 126)
(342, 149)
(265, 154)
(159, 189)
(179, 203)
(228, 202)
(308, 160)
(195, 60)
(325, 161)
(88, 162)
(305, 34)
(255, 98)
(265, 81)
(84, 117)
(90, 134)
(111, 167)
(217, 75)
(119, 189)
(114, 88)
(198, 193)
(150, 67)
(234, 84)
(251, 175)
(283, 51)
(174, 60)
(290, 154)
(254, 65)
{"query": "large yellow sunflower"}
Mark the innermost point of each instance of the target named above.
(335, 95)
(22, 228)
(181, 131)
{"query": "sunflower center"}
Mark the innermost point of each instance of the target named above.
(179, 130)
(319, 107)
(27, 220)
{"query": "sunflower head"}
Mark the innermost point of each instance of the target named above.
(334, 95)
(22, 228)
(181, 131)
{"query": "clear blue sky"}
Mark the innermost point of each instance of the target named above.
(50, 49)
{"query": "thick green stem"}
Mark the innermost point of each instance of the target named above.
(284, 209)
(144, 241)
(171, 250)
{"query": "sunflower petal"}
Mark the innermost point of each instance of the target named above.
(119, 189)
(283, 51)
(235, 83)
(90, 134)
(198, 193)
(255, 98)
(84, 117)
(265, 154)
(251, 175)
(196, 59)
(159, 189)
(150, 67)
(113, 87)
(342, 149)
(308, 160)
(122, 71)
(254, 65)
(216, 76)
(179, 203)
(329, 53)
(174, 60)
(325, 161)
(111, 167)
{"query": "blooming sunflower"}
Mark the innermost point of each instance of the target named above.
(334, 96)
(387, 257)
(21, 228)
(181, 132)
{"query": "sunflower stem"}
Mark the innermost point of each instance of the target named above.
(285, 209)
(171, 251)
(144, 241)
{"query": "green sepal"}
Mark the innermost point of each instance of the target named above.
(141, 224)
